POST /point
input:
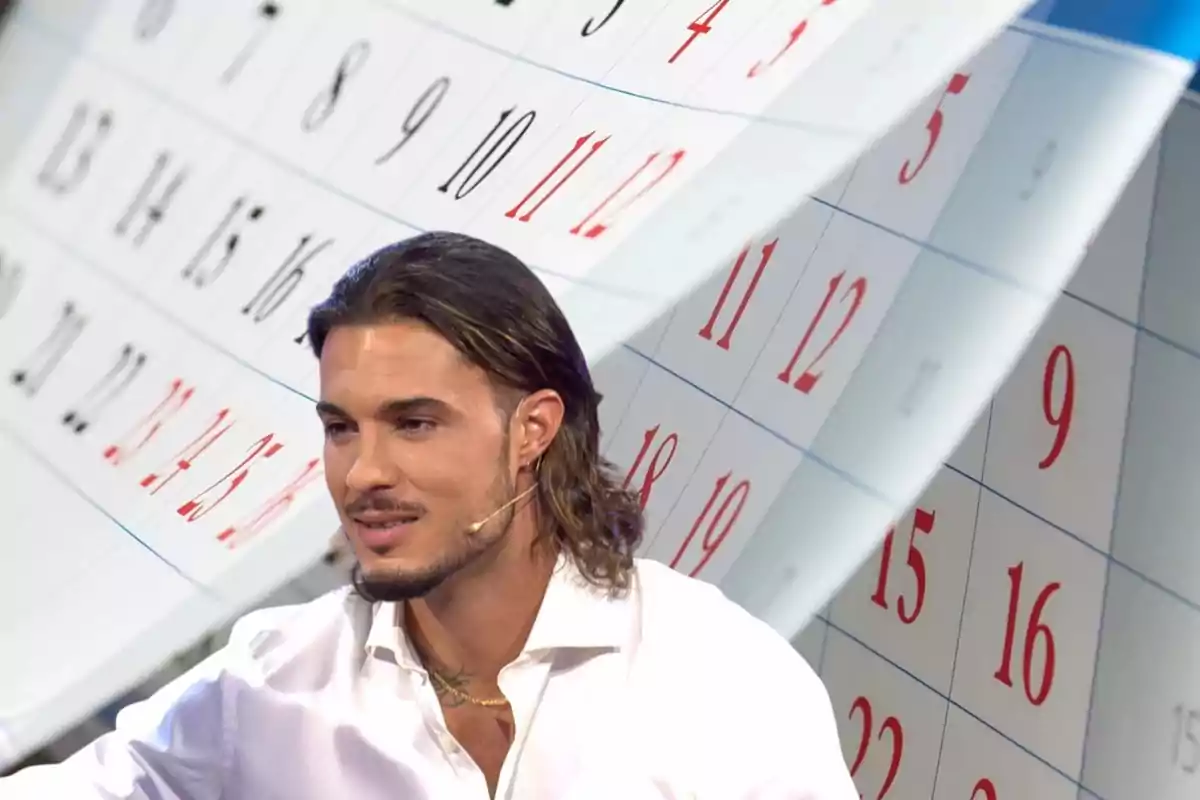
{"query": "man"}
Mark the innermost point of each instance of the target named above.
(500, 640)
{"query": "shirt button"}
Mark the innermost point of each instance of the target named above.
(448, 743)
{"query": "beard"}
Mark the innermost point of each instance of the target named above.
(390, 585)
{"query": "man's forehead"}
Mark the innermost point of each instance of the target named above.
(408, 356)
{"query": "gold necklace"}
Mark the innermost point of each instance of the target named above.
(461, 695)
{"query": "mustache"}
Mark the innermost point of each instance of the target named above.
(378, 501)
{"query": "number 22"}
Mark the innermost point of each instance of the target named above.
(890, 725)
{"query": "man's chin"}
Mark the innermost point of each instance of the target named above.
(390, 582)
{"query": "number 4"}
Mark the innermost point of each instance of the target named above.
(922, 523)
(702, 24)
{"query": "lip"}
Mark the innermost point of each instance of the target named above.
(377, 536)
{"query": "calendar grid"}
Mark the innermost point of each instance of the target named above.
(250, 146)
(15, 438)
(253, 147)
(951, 703)
(962, 611)
(824, 644)
(827, 130)
(806, 452)
(300, 172)
(1034, 30)
(1029, 28)
(841, 474)
(140, 296)
(1128, 418)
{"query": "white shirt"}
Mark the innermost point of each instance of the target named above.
(672, 691)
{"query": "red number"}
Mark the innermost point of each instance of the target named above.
(984, 790)
(708, 544)
(580, 142)
(934, 126)
(183, 460)
(1034, 628)
(759, 67)
(890, 725)
(197, 507)
(922, 523)
(707, 331)
(653, 471)
(148, 426)
(1060, 419)
(808, 379)
(702, 24)
(600, 227)
(273, 508)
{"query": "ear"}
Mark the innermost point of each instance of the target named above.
(535, 424)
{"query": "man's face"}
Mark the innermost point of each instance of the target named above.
(416, 451)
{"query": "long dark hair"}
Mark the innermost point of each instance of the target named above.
(495, 311)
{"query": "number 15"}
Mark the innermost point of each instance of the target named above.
(922, 523)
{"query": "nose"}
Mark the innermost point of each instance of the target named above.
(372, 468)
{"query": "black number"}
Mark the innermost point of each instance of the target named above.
(284, 280)
(152, 18)
(240, 211)
(12, 276)
(268, 13)
(1185, 750)
(466, 187)
(123, 372)
(422, 110)
(40, 364)
(325, 102)
(154, 210)
(589, 29)
(52, 176)
(505, 3)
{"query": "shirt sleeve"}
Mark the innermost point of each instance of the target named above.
(171, 746)
(804, 760)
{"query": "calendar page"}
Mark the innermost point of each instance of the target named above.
(1031, 627)
(802, 244)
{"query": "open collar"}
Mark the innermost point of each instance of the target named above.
(574, 615)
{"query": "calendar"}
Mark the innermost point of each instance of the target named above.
(889, 303)
(1029, 627)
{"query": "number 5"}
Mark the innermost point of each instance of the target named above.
(922, 523)
(934, 126)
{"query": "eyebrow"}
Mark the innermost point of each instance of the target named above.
(391, 408)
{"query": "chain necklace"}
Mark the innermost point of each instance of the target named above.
(461, 695)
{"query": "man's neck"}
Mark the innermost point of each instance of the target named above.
(478, 621)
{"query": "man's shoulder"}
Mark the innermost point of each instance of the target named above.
(688, 620)
(717, 686)
(269, 637)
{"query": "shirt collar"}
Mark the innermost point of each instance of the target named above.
(573, 614)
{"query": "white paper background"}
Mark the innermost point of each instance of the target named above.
(938, 274)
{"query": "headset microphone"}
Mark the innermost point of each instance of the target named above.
(476, 527)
